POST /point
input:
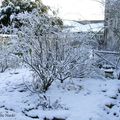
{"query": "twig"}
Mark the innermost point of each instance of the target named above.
(106, 60)
(107, 52)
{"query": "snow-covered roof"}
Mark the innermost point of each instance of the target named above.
(77, 27)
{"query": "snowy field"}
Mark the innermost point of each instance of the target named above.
(75, 99)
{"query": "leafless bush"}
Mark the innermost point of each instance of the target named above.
(49, 52)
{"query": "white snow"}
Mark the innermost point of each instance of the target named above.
(81, 99)
(77, 27)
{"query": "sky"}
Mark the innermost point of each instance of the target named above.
(77, 9)
(0, 2)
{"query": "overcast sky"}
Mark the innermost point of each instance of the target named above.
(77, 9)
(0, 2)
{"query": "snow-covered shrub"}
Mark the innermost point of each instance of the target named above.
(76, 60)
(47, 104)
(7, 58)
(35, 39)
(51, 53)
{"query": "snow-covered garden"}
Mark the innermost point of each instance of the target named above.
(51, 69)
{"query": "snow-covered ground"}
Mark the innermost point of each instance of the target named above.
(75, 99)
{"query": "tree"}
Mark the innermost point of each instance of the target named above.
(112, 25)
(10, 9)
(9, 21)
